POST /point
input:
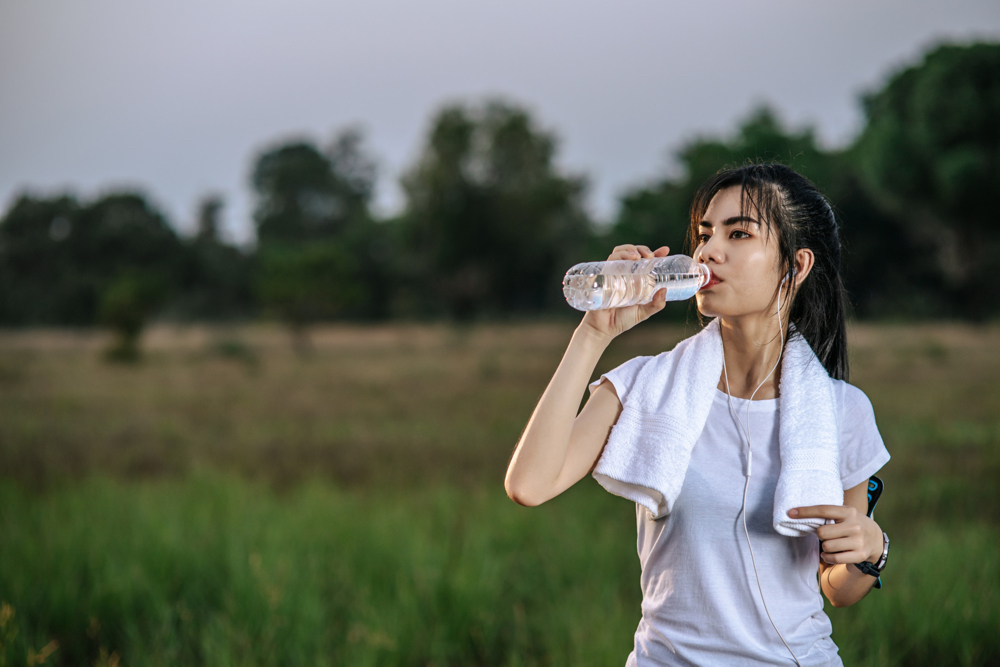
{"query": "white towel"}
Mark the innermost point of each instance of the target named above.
(649, 448)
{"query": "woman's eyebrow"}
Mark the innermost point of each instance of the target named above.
(729, 221)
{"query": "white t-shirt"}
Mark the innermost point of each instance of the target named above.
(700, 601)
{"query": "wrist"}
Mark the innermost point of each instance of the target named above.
(875, 543)
(876, 563)
(591, 337)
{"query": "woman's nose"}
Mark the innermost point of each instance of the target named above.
(710, 252)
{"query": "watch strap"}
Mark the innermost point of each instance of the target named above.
(868, 569)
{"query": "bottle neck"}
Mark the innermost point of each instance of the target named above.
(706, 274)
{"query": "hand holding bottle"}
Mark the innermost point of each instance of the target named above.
(610, 322)
(560, 444)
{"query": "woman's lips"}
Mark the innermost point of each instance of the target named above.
(712, 282)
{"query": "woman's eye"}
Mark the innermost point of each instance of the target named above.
(736, 234)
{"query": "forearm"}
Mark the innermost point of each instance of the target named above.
(845, 584)
(540, 456)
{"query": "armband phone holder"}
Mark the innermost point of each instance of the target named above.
(875, 486)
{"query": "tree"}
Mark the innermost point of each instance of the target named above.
(307, 283)
(41, 281)
(217, 280)
(490, 225)
(58, 257)
(209, 214)
(319, 250)
(125, 306)
(931, 153)
(304, 194)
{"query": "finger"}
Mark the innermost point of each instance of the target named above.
(657, 303)
(841, 545)
(662, 251)
(835, 512)
(832, 531)
(644, 251)
(627, 248)
(626, 251)
(843, 557)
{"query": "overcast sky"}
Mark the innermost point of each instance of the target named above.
(177, 97)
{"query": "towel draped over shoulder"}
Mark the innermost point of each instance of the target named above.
(649, 449)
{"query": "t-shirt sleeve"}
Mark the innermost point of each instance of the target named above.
(622, 377)
(862, 452)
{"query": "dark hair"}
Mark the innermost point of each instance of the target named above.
(791, 206)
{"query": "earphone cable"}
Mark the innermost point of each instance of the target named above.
(746, 485)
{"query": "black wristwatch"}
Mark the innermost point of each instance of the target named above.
(876, 569)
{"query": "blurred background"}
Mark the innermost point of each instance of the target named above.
(280, 285)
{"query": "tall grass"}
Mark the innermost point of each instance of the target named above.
(214, 570)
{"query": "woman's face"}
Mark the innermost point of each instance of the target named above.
(743, 258)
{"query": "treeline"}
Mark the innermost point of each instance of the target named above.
(490, 223)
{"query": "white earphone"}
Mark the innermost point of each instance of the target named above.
(746, 432)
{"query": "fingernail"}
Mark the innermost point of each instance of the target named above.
(793, 512)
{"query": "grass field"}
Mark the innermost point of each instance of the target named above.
(228, 502)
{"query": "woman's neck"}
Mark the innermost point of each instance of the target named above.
(752, 347)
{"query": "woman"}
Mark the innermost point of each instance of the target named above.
(720, 585)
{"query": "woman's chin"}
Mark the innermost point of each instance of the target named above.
(708, 309)
(709, 306)
(706, 306)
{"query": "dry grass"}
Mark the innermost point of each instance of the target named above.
(403, 402)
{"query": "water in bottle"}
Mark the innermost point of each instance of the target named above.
(620, 283)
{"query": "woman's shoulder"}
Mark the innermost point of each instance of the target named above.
(631, 368)
(638, 363)
(862, 451)
(852, 401)
(624, 375)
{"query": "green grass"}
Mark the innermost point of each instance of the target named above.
(218, 571)
(205, 507)
(214, 570)
(939, 605)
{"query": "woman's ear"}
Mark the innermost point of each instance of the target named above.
(804, 260)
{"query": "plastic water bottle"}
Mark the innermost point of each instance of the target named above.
(623, 282)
